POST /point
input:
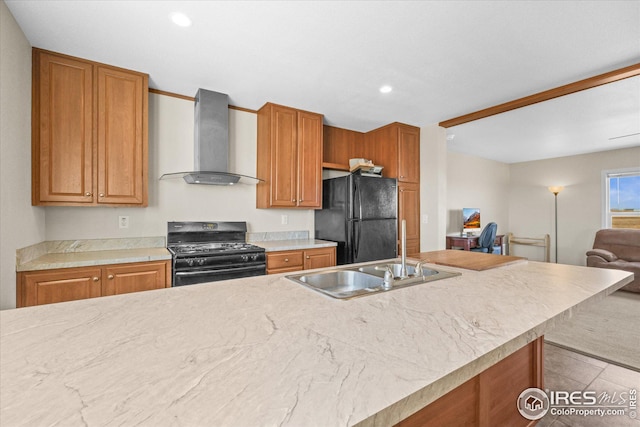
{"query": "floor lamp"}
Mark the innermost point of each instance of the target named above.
(555, 191)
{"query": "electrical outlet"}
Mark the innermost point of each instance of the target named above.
(123, 222)
(284, 219)
(425, 219)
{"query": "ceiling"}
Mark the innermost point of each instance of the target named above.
(443, 59)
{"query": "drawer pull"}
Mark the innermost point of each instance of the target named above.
(110, 276)
(95, 279)
(286, 260)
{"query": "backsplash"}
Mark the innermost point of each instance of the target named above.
(269, 236)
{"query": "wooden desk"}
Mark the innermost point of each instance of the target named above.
(470, 242)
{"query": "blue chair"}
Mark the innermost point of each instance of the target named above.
(487, 239)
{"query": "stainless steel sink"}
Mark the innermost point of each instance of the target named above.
(354, 282)
(395, 269)
(340, 283)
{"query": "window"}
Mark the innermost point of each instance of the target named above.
(622, 198)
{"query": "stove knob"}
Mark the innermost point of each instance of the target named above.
(254, 257)
(245, 258)
(201, 261)
(190, 262)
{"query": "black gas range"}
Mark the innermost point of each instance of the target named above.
(212, 251)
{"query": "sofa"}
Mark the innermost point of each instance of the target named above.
(619, 249)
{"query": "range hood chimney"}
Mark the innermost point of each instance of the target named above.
(211, 149)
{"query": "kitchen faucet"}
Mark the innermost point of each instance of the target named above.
(403, 248)
(403, 268)
(389, 279)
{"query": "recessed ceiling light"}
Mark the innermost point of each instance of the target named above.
(385, 89)
(180, 19)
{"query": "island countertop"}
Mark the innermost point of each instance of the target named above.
(267, 351)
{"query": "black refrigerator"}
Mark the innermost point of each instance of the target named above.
(360, 213)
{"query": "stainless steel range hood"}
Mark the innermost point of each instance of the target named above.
(211, 150)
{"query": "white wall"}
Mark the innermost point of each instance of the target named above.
(531, 205)
(473, 182)
(20, 224)
(433, 188)
(171, 150)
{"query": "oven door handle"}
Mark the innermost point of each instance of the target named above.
(222, 270)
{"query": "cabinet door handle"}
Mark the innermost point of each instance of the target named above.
(101, 194)
(401, 176)
(95, 279)
(286, 260)
(87, 194)
(308, 257)
(293, 200)
(110, 276)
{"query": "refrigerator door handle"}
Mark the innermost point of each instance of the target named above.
(360, 204)
(357, 240)
(354, 199)
(353, 246)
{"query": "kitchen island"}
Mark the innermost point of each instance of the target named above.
(267, 351)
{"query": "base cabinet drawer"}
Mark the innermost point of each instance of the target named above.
(305, 259)
(69, 284)
(285, 260)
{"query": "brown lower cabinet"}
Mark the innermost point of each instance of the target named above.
(68, 284)
(305, 259)
(490, 398)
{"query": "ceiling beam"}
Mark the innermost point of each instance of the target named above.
(612, 76)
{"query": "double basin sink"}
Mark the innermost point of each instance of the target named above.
(345, 283)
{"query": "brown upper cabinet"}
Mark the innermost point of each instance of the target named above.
(289, 158)
(340, 145)
(397, 148)
(89, 133)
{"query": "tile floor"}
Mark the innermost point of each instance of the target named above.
(569, 371)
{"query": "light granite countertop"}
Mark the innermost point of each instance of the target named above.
(293, 244)
(85, 253)
(86, 259)
(265, 351)
(273, 241)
